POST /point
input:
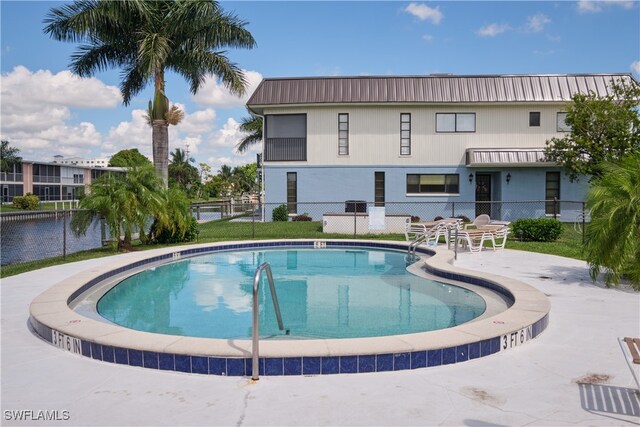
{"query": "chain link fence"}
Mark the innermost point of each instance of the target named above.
(33, 236)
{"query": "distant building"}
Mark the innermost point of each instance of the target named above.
(50, 181)
(98, 162)
(439, 138)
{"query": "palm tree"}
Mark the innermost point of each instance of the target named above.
(252, 126)
(125, 201)
(180, 156)
(613, 235)
(145, 38)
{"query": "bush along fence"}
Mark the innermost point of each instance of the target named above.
(37, 235)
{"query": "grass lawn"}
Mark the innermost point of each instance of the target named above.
(569, 245)
(8, 207)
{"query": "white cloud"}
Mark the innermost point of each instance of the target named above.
(591, 6)
(537, 22)
(635, 67)
(202, 121)
(215, 94)
(229, 135)
(36, 108)
(135, 133)
(22, 90)
(493, 30)
(424, 12)
(427, 37)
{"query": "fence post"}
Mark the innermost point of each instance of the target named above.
(583, 222)
(555, 208)
(453, 209)
(64, 235)
(253, 221)
(354, 221)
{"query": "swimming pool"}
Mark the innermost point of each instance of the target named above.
(61, 316)
(323, 293)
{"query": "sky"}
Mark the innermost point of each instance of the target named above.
(45, 110)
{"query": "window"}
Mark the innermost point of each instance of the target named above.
(292, 192)
(379, 189)
(78, 178)
(285, 137)
(552, 191)
(455, 122)
(534, 119)
(562, 125)
(405, 134)
(432, 184)
(343, 134)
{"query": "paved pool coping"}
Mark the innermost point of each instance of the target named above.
(52, 318)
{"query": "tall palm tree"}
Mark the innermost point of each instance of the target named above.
(145, 38)
(613, 235)
(252, 126)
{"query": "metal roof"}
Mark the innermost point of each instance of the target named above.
(431, 89)
(479, 157)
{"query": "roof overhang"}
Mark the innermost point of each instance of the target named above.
(506, 157)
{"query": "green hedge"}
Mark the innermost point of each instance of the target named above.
(537, 229)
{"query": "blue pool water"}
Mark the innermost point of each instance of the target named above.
(323, 293)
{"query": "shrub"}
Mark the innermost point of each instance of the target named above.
(303, 217)
(537, 229)
(28, 202)
(281, 213)
(438, 218)
(415, 218)
(167, 235)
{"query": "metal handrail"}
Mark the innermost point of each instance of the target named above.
(256, 335)
(413, 246)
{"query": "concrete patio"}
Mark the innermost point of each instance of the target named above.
(572, 374)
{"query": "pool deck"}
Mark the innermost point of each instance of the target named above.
(574, 373)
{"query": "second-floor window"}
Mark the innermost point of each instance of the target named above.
(455, 122)
(343, 134)
(285, 137)
(78, 178)
(534, 119)
(405, 134)
(562, 125)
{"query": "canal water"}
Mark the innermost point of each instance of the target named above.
(39, 238)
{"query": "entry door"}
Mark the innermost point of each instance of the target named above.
(5, 193)
(483, 194)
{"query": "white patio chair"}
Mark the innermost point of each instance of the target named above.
(480, 220)
(413, 230)
(499, 238)
(474, 241)
(449, 224)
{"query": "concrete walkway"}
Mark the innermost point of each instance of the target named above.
(573, 374)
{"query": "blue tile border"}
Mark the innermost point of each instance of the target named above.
(304, 365)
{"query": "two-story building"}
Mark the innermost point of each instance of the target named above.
(437, 138)
(50, 181)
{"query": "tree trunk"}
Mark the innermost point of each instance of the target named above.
(160, 142)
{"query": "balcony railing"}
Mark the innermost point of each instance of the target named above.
(285, 149)
(40, 178)
(15, 177)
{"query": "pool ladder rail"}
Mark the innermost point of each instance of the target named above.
(255, 339)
